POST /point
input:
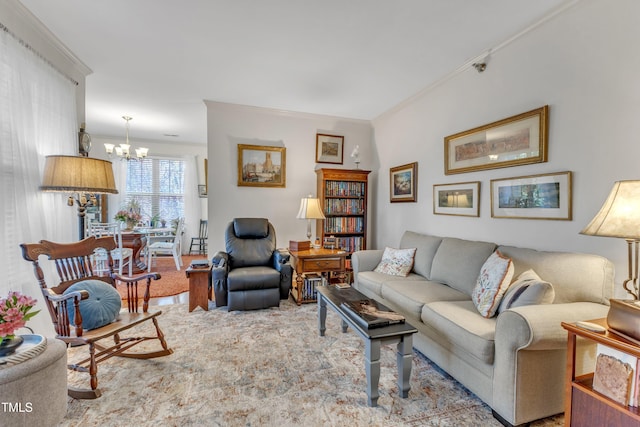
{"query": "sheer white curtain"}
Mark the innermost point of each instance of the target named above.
(37, 118)
(192, 208)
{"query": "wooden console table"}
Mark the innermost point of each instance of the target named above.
(315, 261)
(583, 405)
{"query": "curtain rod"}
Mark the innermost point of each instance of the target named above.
(35, 52)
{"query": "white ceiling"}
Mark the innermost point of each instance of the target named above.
(157, 60)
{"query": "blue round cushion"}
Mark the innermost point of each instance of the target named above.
(102, 306)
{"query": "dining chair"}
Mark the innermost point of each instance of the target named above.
(121, 256)
(200, 242)
(173, 247)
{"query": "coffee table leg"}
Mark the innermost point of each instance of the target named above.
(372, 366)
(404, 359)
(322, 314)
(345, 326)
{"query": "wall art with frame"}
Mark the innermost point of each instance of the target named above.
(514, 141)
(329, 148)
(403, 183)
(462, 198)
(545, 196)
(261, 166)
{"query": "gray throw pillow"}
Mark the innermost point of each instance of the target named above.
(527, 289)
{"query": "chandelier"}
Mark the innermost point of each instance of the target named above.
(124, 150)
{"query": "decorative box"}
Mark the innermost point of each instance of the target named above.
(624, 318)
(296, 246)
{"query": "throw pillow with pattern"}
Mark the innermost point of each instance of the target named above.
(396, 262)
(493, 281)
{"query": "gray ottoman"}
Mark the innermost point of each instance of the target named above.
(34, 392)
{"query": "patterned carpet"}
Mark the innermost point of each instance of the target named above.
(268, 368)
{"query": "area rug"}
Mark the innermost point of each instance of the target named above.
(172, 281)
(268, 368)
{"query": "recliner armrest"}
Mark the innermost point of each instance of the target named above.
(220, 260)
(282, 256)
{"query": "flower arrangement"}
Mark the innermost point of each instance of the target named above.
(127, 216)
(14, 313)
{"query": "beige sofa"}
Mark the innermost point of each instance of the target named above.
(515, 362)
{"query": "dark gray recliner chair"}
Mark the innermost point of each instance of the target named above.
(251, 274)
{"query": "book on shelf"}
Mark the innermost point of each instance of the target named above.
(310, 282)
(369, 314)
(616, 375)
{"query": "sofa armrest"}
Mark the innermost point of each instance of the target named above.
(366, 260)
(537, 327)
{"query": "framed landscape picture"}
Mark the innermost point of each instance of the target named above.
(403, 183)
(546, 196)
(461, 199)
(517, 140)
(329, 148)
(261, 166)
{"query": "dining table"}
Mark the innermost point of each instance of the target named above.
(138, 238)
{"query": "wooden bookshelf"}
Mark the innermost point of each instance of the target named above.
(343, 197)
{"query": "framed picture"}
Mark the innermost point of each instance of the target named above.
(261, 166)
(546, 196)
(517, 140)
(403, 183)
(462, 198)
(202, 190)
(329, 148)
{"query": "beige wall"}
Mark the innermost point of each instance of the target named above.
(584, 64)
(230, 125)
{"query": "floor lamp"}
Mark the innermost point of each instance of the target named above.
(84, 177)
(620, 217)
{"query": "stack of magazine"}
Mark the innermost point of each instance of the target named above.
(369, 314)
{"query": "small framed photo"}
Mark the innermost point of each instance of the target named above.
(329, 148)
(403, 183)
(202, 191)
(462, 198)
(546, 196)
(261, 166)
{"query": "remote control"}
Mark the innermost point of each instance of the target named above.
(591, 326)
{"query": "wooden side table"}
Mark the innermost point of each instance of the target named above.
(199, 290)
(315, 261)
(583, 405)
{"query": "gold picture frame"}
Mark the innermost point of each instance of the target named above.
(514, 141)
(329, 148)
(461, 198)
(545, 196)
(403, 183)
(261, 166)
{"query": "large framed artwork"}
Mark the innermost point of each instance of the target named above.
(261, 166)
(514, 141)
(546, 196)
(462, 198)
(329, 148)
(403, 183)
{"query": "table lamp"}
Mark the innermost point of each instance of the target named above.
(620, 217)
(84, 177)
(310, 209)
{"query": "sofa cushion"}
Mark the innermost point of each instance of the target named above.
(396, 262)
(460, 324)
(426, 247)
(372, 281)
(493, 281)
(412, 295)
(569, 272)
(100, 309)
(527, 289)
(457, 263)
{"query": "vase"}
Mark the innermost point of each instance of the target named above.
(130, 225)
(9, 345)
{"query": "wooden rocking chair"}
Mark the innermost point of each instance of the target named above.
(74, 262)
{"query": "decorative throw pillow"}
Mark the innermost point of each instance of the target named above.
(494, 279)
(527, 289)
(396, 262)
(102, 306)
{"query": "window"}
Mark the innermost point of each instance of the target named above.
(158, 187)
